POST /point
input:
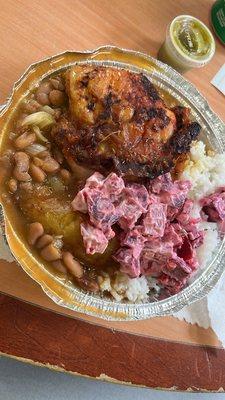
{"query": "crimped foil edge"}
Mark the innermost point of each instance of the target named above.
(111, 310)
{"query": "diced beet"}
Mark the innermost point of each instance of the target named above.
(139, 193)
(94, 239)
(177, 268)
(219, 205)
(195, 235)
(214, 206)
(154, 221)
(80, 202)
(171, 193)
(211, 213)
(134, 239)
(130, 212)
(129, 264)
(176, 201)
(170, 285)
(108, 232)
(174, 233)
(133, 202)
(193, 262)
(186, 250)
(101, 210)
(175, 275)
(153, 198)
(172, 212)
(184, 186)
(184, 215)
(159, 235)
(154, 256)
(163, 183)
(95, 181)
(113, 185)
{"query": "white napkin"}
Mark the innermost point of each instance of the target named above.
(196, 313)
(208, 311)
(205, 312)
(219, 80)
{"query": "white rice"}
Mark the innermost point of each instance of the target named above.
(122, 287)
(206, 172)
(211, 241)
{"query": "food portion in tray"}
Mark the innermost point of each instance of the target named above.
(118, 121)
(111, 185)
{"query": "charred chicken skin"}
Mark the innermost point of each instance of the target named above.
(118, 121)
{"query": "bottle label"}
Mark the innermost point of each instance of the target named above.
(218, 19)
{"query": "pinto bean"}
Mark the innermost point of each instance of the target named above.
(43, 98)
(32, 106)
(37, 174)
(57, 98)
(57, 84)
(50, 253)
(50, 165)
(44, 87)
(88, 284)
(44, 154)
(12, 184)
(37, 161)
(34, 232)
(74, 267)
(12, 136)
(6, 163)
(20, 171)
(6, 158)
(26, 186)
(65, 175)
(44, 241)
(24, 140)
(58, 265)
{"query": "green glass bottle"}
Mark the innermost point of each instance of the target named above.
(218, 19)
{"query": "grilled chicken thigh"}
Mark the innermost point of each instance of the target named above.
(118, 121)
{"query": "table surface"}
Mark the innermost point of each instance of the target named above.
(32, 30)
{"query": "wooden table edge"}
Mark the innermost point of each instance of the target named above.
(41, 337)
